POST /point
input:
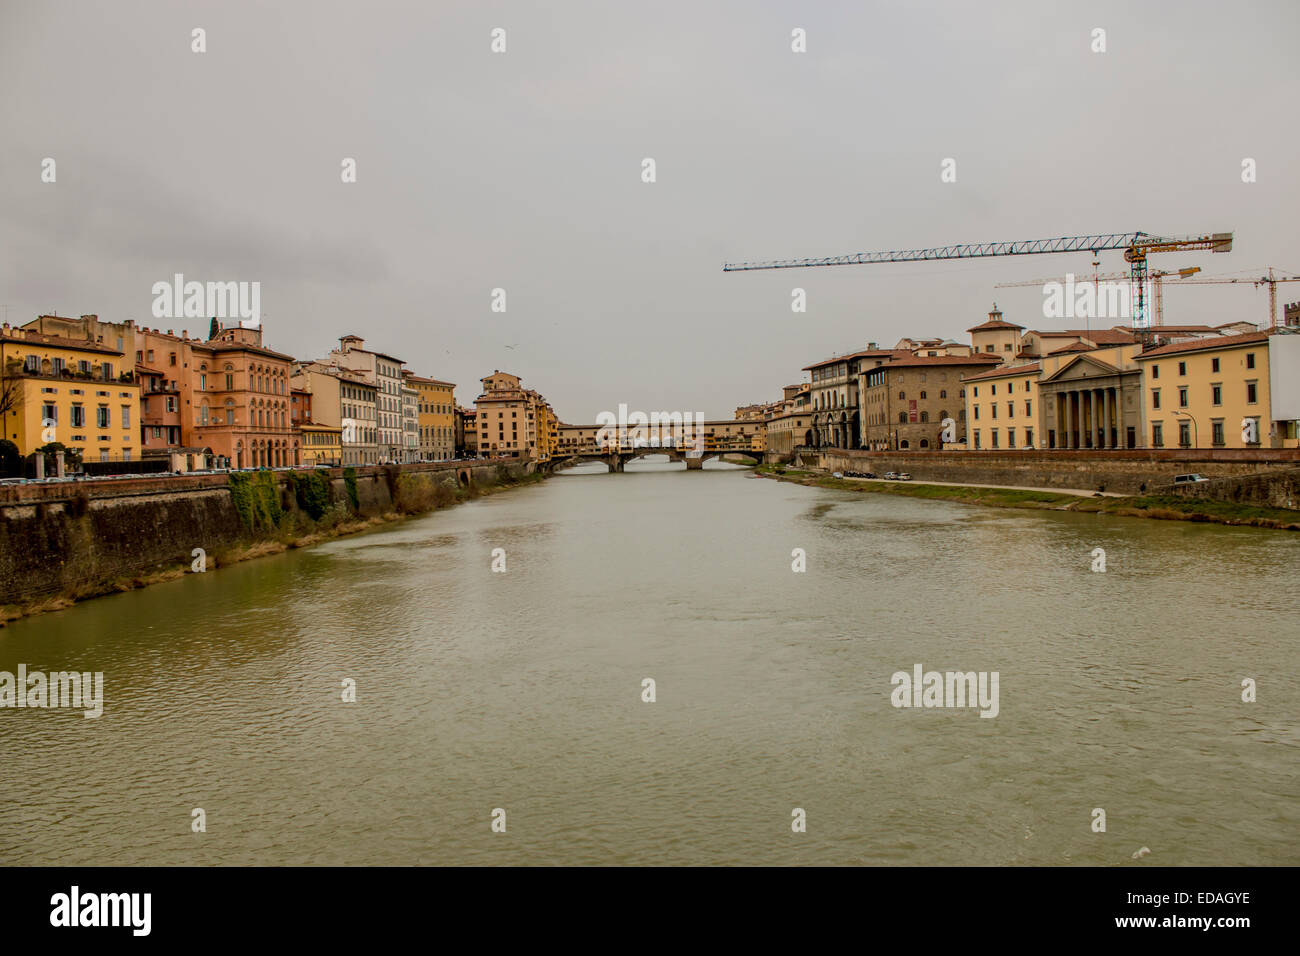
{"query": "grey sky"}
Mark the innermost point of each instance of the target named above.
(522, 171)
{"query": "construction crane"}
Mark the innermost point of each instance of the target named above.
(1183, 275)
(1136, 245)
(1157, 286)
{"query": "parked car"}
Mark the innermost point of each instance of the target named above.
(891, 476)
(1188, 479)
(837, 474)
(869, 474)
(903, 476)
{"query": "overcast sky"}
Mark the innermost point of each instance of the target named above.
(522, 171)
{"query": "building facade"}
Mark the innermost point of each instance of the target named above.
(436, 403)
(906, 401)
(81, 394)
(384, 373)
(1209, 393)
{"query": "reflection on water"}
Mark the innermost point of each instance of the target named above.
(522, 690)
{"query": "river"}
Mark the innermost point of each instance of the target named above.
(478, 690)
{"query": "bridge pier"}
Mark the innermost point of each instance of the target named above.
(694, 464)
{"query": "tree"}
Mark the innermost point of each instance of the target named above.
(11, 460)
(213, 329)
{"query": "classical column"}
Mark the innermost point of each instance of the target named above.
(1075, 409)
(1105, 418)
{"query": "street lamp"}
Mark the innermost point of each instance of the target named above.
(1196, 436)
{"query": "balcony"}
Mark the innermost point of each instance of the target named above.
(15, 368)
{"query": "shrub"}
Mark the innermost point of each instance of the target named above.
(350, 481)
(312, 492)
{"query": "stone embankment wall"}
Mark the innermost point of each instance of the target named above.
(1128, 472)
(74, 539)
(1277, 488)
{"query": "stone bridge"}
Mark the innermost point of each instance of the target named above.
(617, 459)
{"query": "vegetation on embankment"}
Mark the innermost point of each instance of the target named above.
(1165, 507)
(312, 511)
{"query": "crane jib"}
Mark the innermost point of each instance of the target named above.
(1138, 243)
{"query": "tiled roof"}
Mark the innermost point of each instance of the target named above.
(1198, 345)
(994, 324)
(914, 360)
(1005, 372)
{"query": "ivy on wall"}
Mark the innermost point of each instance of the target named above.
(256, 499)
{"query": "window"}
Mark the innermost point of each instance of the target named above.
(1155, 371)
(1250, 360)
(203, 383)
(126, 416)
(994, 407)
(1184, 434)
(1155, 398)
(1216, 394)
(101, 416)
(230, 382)
(49, 413)
(1182, 397)
(977, 413)
(994, 435)
(1011, 409)
(902, 418)
(78, 415)
(1251, 393)
(1029, 408)
(1029, 438)
(1182, 368)
(977, 441)
(1011, 438)
(995, 389)
(923, 394)
(31, 363)
(1216, 428)
(943, 393)
(1158, 435)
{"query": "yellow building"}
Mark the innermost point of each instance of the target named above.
(1002, 408)
(322, 445)
(1208, 393)
(437, 417)
(80, 393)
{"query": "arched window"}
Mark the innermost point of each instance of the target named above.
(943, 414)
(923, 394)
(943, 393)
(904, 444)
(925, 443)
(925, 416)
(902, 394)
(902, 418)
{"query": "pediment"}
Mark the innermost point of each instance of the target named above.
(1081, 367)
